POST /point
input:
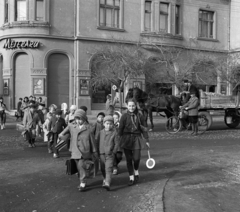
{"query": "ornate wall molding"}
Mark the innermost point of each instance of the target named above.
(83, 73)
(38, 71)
(7, 72)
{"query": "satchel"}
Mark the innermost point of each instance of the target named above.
(71, 167)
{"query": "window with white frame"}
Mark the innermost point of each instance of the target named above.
(177, 20)
(39, 10)
(109, 13)
(164, 17)
(6, 6)
(20, 10)
(148, 16)
(206, 24)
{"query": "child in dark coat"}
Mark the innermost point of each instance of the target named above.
(118, 156)
(56, 126)
(97, 127)
(107, 145)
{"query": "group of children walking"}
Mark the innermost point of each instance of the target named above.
(102, 144)
(105, 142)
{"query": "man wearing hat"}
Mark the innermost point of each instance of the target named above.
(82, 145)
(56, 126)
(189, 87)
(192, 107)
(31, 120)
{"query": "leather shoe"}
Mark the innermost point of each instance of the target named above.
(107, 187)
(81, 189)
(136, 178)
(131, 182)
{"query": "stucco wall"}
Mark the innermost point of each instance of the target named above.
(132, 23)
(235, 26)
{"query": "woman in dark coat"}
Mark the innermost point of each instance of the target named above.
(132, 126)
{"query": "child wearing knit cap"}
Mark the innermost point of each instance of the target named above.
(83, 148)
(107, 145)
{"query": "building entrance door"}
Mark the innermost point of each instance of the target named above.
(58, 79)
(22, 77)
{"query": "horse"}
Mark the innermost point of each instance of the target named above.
(168, 104)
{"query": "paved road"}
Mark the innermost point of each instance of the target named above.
(191, 174)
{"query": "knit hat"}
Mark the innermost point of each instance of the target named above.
(108, 118)
(101, 113)
(118, 113)
(193, 92)
(58, 112)
(73, 107)
(53, 106)
(84, 108)
(80, 114)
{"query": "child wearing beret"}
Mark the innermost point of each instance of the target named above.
(107, 145)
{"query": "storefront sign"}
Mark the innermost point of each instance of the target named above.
(38, 86)
(12, 44)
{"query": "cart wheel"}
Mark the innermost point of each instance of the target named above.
(173, 125)
(234, 124)
(205, 114)
(202, 123)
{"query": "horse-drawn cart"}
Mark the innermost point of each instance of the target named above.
(211, 102)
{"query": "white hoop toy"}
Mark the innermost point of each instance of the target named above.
(150, 163)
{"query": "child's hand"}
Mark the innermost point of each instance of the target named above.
(148, 145)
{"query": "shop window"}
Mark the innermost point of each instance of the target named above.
(110, 13)
(6, 6)
(39, 10)
(20, 10)
(147, 16)
(164, 17)
(177, 20)
(206, 24)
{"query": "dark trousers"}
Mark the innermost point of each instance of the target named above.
(30, 136)
(133, 159)
(3, 117)
(55, 139)
(117, 159)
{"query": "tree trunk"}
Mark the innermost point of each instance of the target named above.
(120, 98)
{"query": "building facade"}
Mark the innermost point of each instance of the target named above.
(47, 46)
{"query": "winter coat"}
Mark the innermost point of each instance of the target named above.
(107, 142)
(130, 131)
(97, 127)
(31, 120)
(192, 106)
(56, 125)
(82, 141)
(126, 125)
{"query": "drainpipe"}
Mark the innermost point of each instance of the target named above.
(75, 55)
(229, 92)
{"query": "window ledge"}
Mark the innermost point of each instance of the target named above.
(208, 39)
(162, 35)
(25, 24)
(111, 29)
